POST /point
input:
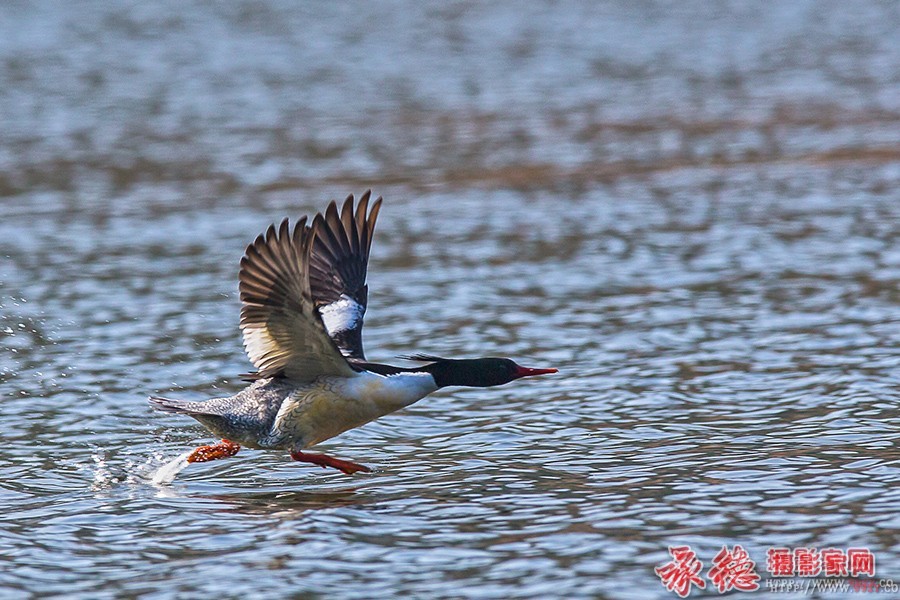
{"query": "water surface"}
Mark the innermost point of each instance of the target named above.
(692, 213)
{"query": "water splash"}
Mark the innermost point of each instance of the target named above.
(166, 473)
(102, 475)
(105, 475)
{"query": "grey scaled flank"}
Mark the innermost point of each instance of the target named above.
(247, 416)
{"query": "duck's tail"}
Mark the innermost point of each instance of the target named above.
(183, 407)
(209, 413)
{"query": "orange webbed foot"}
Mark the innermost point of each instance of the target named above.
(223, 449)
(345, 466)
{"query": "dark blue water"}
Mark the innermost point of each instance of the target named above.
(691, 211)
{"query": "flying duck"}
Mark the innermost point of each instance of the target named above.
(303, 298)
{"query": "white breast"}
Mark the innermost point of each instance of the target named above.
(387, 393)
(332, 405)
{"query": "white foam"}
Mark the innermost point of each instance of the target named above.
(166, 473)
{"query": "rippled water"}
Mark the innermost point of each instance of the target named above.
(693, 215)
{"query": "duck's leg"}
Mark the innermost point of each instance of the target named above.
(328, 461)
(223, 449)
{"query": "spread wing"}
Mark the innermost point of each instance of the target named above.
(337, 270)
(283, 332)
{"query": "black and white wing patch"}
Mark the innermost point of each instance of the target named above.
(283, 333)
(337, 270)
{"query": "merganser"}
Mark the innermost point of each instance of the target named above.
(303, 298)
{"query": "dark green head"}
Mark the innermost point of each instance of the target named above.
(479, 372)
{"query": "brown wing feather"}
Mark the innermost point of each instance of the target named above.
(283, 332)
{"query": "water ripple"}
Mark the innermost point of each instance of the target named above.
(704, 243)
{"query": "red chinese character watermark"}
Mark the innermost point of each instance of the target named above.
(679, 574)
(780, 562)
(733, 570)
(834, 562)
(862, 561)
(807, 562)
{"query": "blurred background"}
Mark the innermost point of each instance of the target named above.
(690, 208)
(120, 103)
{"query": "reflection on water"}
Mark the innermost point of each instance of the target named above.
(692, 214)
